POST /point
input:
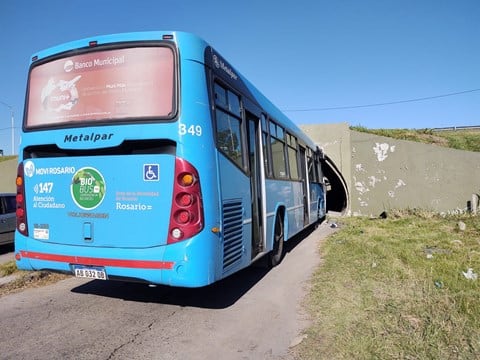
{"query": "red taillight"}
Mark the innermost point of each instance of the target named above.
(21, 212)
(186, 217)
(184, 199)
(182, 217)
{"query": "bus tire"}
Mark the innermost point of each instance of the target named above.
(275, 256)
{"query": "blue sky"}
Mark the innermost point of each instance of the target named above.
(305, 55)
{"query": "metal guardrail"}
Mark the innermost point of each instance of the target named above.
(455, 128)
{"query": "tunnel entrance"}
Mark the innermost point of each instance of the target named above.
(337, 194)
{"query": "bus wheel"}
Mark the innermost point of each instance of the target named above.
(276, 254)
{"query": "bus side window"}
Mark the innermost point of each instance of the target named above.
(293, 157)
(229, 137)
(220, 96)
(277, 143)
(311, 170)
(318, 167)
(228, 124)
(266, 147)
(312, 166)
(234, 104)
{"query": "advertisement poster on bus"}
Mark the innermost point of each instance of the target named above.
(102, 85)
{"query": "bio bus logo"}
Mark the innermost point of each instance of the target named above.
(88, 188)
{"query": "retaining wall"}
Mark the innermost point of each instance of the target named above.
(389, 174)
(8, 173)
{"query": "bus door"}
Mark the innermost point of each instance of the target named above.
(256, 181)
(303, 174)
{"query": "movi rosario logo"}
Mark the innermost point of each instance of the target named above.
(29, 168)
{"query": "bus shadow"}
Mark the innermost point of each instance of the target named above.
(219, 295)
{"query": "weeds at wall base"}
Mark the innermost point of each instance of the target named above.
(395, 288)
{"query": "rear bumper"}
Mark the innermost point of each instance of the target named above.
(181, 264)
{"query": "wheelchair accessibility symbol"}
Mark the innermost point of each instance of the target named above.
(151, 172)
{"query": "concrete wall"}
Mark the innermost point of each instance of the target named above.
(383, 173)
(399, 174)
(8, 173)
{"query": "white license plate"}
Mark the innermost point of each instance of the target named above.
(90, 272)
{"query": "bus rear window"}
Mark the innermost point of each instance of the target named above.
(102, 86)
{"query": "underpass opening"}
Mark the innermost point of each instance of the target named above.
(337, 190)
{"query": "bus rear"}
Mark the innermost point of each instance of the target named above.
(104, 187)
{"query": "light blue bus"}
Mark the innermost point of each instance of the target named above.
(148, 157)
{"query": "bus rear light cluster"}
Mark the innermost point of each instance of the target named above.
(21, 212)
(186, 217)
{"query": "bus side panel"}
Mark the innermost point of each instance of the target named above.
(237, 216)
(295, 209)
(290, 195)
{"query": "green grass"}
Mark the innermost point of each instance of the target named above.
(5, 158)
(25, 279)
(395, 289)
(7, 268)
(461, 140)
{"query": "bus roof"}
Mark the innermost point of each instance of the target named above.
(114, 38)
(192, 47)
